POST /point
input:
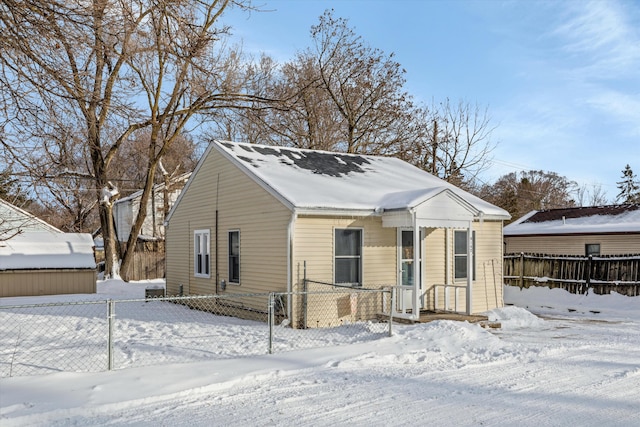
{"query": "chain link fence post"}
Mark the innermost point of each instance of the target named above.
(304, 296)
(393, 304)
(271, 320)
(111, 313)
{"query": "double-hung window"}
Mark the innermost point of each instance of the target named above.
(201, 249)
(460, 243)
(234, 256)
(348, 256)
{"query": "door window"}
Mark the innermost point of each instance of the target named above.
(407, 257)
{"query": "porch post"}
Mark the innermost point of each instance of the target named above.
(469, 267)
(416, 268)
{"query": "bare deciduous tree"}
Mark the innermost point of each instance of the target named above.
(130, 163)
(454, 142)
(592, 195)
(114, 68)
(364, 85)
(340, 95)
(343, 95)
(520, 193)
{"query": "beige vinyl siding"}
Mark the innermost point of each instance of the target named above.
(487, 288)
(179, 257)
(615, 244)
(242, 205)
(314, 243)
(46, 282)
(314, 237)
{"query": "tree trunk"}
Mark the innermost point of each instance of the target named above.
(112, 265)
(127, 257)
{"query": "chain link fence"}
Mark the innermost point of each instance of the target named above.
(95, 336)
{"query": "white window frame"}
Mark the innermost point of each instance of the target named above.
(202, 252)
(463, 256)
(359, 257)
(232, 281)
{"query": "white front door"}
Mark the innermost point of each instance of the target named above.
(405, 270)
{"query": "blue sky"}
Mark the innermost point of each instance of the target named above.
(561, 79)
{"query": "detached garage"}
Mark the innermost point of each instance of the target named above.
(43, 263)
(38, 259)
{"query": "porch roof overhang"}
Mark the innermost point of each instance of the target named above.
(441, 209)
(438, 208)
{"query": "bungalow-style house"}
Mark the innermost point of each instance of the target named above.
(256, 218)
(38, 259)
(596, 230)
(126, 209)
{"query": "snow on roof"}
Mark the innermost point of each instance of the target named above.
(42, 250)
(581, 220)
(310, 179)
(12, 218)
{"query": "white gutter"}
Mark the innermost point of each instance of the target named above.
(338, 212)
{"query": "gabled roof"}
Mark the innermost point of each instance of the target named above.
(310, 180)
(580, 220)
(13, 218)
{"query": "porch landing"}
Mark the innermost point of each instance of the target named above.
(430, 316)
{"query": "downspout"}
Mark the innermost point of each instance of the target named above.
(217, 274)
(469, 267)
(217, 277)
(191, 261)
(290, 236)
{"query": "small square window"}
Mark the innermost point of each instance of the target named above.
(592, 249)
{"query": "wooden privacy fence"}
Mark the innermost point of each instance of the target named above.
(576, 274)
(148, 260)
(147, 265)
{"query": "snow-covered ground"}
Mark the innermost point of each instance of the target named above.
(576, 364)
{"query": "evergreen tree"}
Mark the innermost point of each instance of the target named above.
(629, 187)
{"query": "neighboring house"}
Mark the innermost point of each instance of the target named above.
(13, 219)
(126, 209)
(251, 217)
(597, 230)
(40, 259)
